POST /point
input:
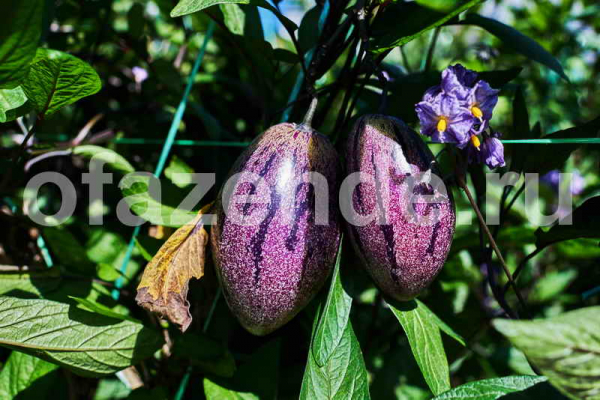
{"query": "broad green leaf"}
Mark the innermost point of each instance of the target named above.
(185, 7)
(20, 372)
(441, 324)
(389, 33)
(10, 99)
(517, 41)
(491, 389)
(334, 317)
(234, 17)
(57, 79)
(88, 343)
(425, 340)
(343, 377)
(135, 192)
(25, 280)
(93, 306)
(255, 380)
(20, 30)
(565, 348)
(585, 224)
(101, 154)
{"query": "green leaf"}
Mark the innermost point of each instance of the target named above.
(185, 7)
(565, 348)
(344, 376)
(67, 250)
(113, 159)
(10, 99)
(20, 372)
(88, 343)
(491, 389)
(334, 317)
(255, 380)
(441, 324)
(426, 344)
(178, 166)
(93, 306)
(234, 17)
(107, 272)
(135, 191)
(57, 79)
(388, 33)
(25, 280)
(585, 224)
(517, 41)
(520, 130)
(20, 30)
(551, 285)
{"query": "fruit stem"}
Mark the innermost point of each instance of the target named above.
(310, 113)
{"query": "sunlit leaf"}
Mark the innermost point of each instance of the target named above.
(491, 389)
(343, 377)
(20, 372)
(10, 99)
(565, 348)
(334, 318)
(164, 285)
(101, 154)
(88, 343)
(425, 341)
(57, 79)
(185, 7)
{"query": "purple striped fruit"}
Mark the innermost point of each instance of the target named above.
(272, 258)
(405, 251)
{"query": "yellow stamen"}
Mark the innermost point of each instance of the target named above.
(477, 112)
(476, 142)
(442, 125)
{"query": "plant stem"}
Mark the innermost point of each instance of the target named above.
(463, 186)
(429, 58)
(523, 263)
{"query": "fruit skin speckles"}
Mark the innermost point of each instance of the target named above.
(402, 256)
(270, 270)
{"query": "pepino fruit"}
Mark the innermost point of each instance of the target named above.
(400, 216)
(273, 253)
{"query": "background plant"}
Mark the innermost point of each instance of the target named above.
(78, 78)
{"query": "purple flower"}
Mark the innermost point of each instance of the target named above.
(139, 74)
(444, 119)
(490, 151)
(552, 179)
(457, 81)
(481, 100)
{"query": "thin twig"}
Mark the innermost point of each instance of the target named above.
(523, 263)
(429, 57)
(463, 186)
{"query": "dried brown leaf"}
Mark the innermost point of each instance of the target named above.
(164, 285)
